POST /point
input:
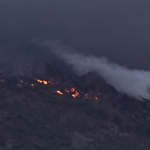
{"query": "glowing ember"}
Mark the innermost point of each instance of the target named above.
(19, 85)
(59, 92)
(50, 82)
(73, 95)
(96, 98)
(86, 96)
(67, 91)
(73, 92)
(40, 81)
(72, 89)
(76, 94)
(45, 82)
(32, 85)
(22, 73)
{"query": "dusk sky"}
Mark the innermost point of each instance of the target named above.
(118, 30)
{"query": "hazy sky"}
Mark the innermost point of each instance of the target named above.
(116, 29)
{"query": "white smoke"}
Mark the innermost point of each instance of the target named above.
(135, 83)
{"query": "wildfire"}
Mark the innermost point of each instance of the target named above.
(72, 91)
(59, 92)
(86, 96)
(38, 80)
(45, 82)
(75, 94)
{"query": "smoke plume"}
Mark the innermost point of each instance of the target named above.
(135, 83)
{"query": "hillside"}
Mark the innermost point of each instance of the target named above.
(39, 118)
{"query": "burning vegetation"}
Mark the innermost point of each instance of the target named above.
(58, 87)
(120, 110)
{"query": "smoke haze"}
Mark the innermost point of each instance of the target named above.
(135, 83)
(118, 30)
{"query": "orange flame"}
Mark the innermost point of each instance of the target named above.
(96, 98)
(45, 82)
(72, 89)
(75, 94)
(59, 92)
(86, 96)
(38, 80)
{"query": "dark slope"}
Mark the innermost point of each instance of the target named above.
(36, 118)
